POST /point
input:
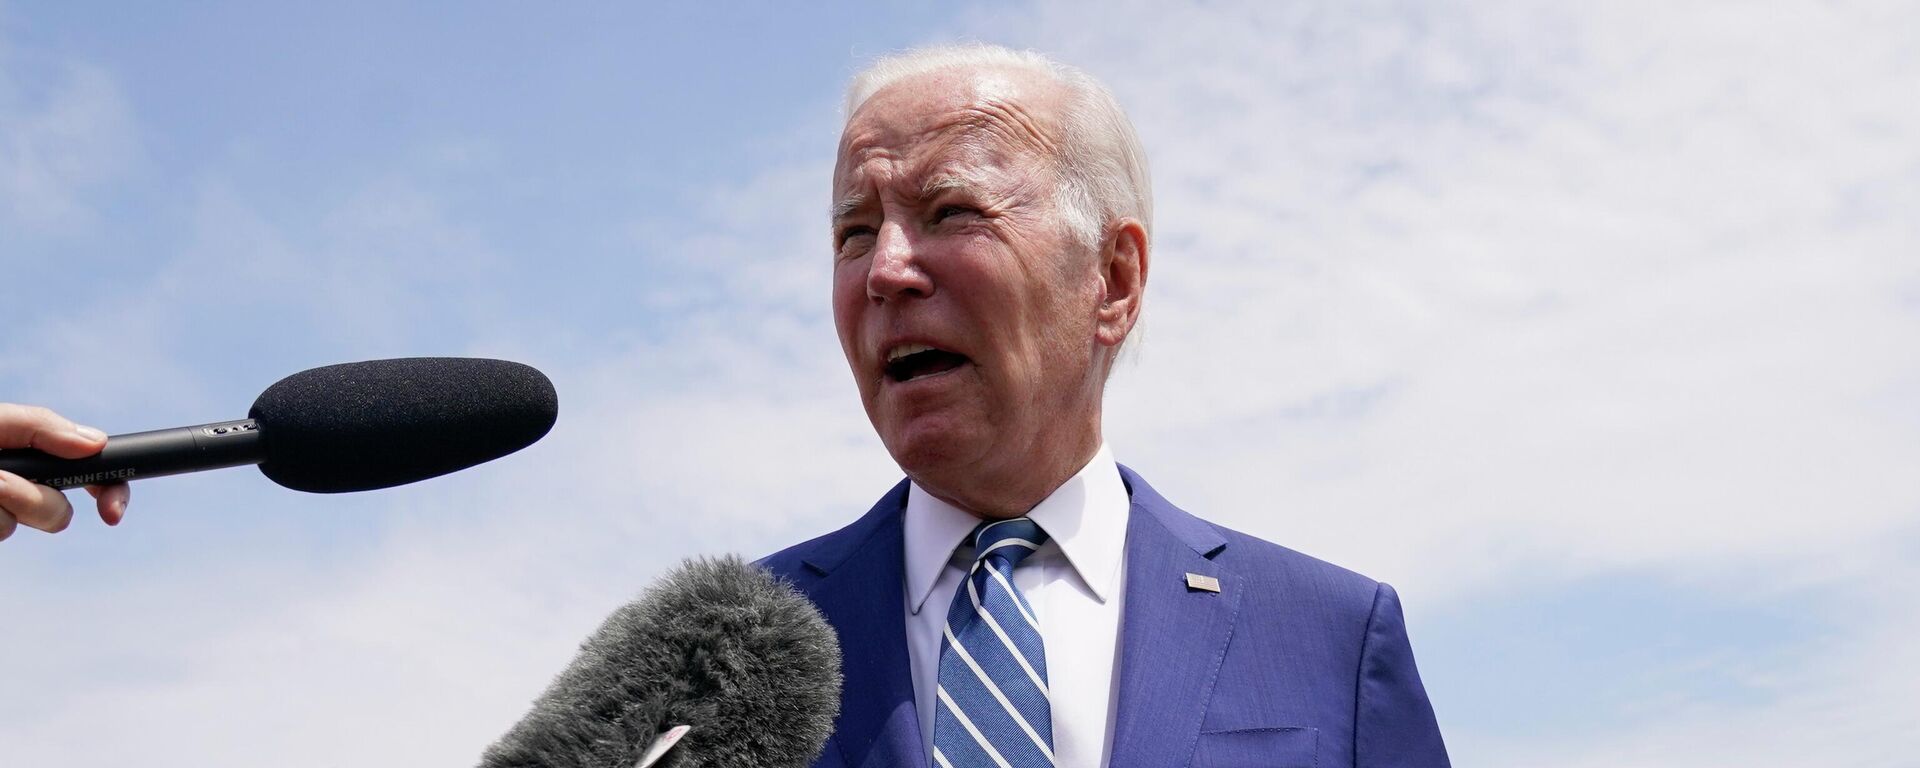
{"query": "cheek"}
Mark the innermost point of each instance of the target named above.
(1061, 316)
(849, 303)
(849, 289)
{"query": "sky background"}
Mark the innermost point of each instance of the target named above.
(1592, 327)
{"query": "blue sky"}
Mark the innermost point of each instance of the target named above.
(1596, 331)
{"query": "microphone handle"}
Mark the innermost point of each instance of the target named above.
(142, 455)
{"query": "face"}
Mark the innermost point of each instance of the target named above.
(968, 314)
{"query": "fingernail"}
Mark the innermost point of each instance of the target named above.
(90, 433)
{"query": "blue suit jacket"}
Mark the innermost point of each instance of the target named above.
(1295, 662)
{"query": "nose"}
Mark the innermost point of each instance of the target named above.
(895, 271)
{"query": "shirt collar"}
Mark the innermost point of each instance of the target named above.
(1086, 518)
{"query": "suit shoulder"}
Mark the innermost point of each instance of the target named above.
(1281, 567)
(791, 561)
(1272, 570)
(807, 561)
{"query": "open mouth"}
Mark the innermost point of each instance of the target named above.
(913, 361)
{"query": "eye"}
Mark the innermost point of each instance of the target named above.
(848, 233)
(948, 211)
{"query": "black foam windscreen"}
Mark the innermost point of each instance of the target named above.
(382, 423)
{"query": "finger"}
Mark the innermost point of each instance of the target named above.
(34, 506)
(112, 501)
(6, 525)
(30, 426)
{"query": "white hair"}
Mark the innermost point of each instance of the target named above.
(1103, 168)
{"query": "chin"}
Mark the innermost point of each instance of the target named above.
(932, 450)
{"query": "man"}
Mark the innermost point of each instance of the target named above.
(1021, 599)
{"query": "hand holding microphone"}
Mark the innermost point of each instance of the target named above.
(340, 428)
(38, 506)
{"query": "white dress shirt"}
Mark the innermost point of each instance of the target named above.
(1074, 583)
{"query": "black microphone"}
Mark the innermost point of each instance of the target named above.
(717, 645)
(339, 428)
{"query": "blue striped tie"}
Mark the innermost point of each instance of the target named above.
(993, 669)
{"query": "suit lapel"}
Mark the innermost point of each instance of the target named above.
(862, 594)
(1172, 638)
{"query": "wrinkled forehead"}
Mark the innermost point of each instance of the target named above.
(949, 120)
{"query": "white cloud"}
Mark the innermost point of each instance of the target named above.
(384, 271)
(58, 143)
(1853, 703)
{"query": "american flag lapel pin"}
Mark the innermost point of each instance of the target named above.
(1199, 583)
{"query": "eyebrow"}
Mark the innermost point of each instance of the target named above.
(944, 183)
(848, 205)
(933, 186)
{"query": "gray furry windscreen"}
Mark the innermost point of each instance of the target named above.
(717, 644)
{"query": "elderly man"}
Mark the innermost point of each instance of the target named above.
(1020, 599)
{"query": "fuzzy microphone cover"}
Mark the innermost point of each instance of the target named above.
(718, 645)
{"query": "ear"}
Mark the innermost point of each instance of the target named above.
(1123, 280)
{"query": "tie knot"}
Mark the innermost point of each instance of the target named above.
(1011, 540)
